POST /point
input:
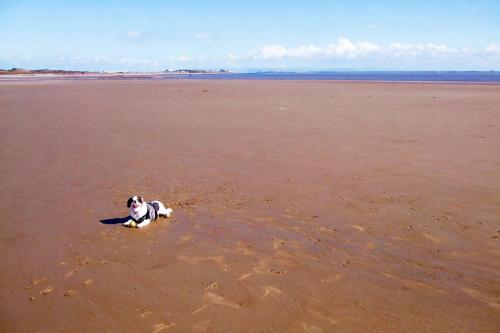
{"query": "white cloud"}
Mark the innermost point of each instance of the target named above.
(270, 52)
(443, 51)
(348, 49)
(276, 51)
(493, 49)
(343, 48)
(399, 49)
(304, 51)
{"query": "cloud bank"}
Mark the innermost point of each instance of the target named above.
(343, 48)
(342, 54)
(347, 49)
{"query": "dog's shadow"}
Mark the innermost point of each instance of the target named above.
(116, 220)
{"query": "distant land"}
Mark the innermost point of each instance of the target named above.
(14, 71)
(23, 71)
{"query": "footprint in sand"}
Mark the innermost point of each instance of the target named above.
(35, 282)
(71, 272)
(70, 293)
(80, 261)
(311, 328)
(432, 238)
(87, 283)
(144, 312)
(435, 251)
(263, 267)
(244, 276)
(161, 326)
(220, 300)
(442, 217)
(47, 290)
(360, 228)
(314, 240)
(213, 285)
(270, 290)
(212, 298)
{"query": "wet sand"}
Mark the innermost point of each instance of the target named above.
(298, 206)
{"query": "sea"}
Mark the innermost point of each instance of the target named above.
(389, 76)
(491, 77)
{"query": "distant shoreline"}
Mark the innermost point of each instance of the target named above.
(23, 71)
(467, 77)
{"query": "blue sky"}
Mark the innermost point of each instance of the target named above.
(242, 35)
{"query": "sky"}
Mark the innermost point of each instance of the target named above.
(250, 35)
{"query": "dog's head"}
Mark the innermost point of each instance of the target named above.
(135, 202)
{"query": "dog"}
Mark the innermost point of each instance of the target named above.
(142, 213)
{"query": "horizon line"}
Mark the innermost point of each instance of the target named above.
(247, 70)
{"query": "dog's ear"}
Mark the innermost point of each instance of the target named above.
(140, 199)
(129, 202)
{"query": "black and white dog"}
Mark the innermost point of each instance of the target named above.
(142, 213)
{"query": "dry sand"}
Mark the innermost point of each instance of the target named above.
(299, 206)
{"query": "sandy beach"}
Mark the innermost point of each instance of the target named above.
(299, 206)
